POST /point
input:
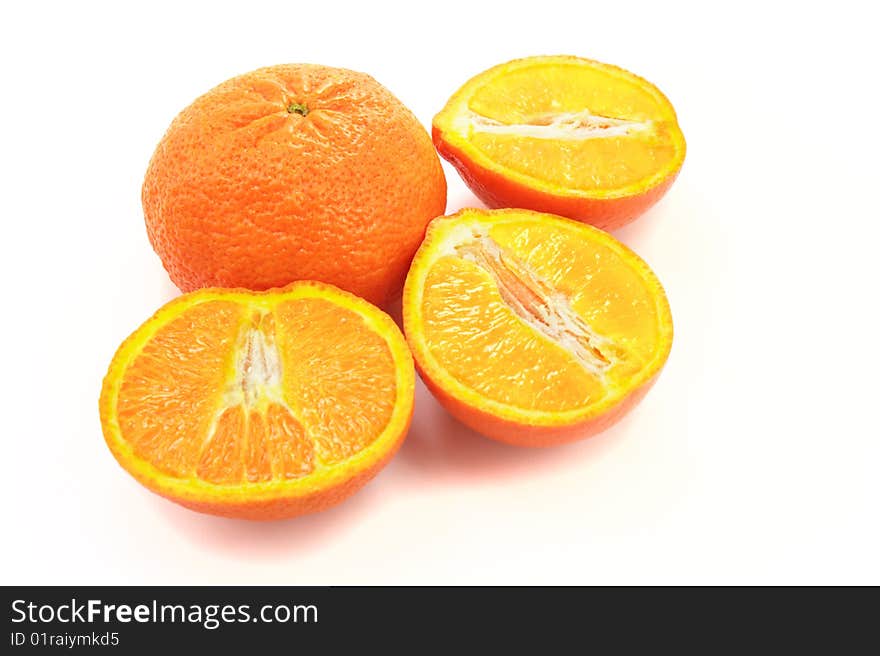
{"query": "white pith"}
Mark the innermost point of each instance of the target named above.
(559, 126)
(256, 381)
(537, 303)
(258, 370)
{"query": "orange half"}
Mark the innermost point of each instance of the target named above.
(563, 134)
(533, 329)
(259, 405)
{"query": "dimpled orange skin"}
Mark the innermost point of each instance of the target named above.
(497, 189)
(293, 172)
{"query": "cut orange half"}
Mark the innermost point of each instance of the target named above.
(533, 329)
(563, 134)
(259, 405)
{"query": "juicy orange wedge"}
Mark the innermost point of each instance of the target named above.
(563, 134)
(533, 329)
(259, 405)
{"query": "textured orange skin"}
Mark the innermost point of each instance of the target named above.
(518, 434)
(233, 503)
(244, 192)
(497, 191)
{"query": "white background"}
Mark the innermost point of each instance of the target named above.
(753, 460)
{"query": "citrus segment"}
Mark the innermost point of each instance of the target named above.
(611, 298)
(589, 164)
(466, 317)
(566, 86)
(564, 134)
(344, 395)
(222, 457)
(259, 405)
(168, 398)
(531, 328)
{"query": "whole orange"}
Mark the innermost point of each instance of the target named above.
(293, 172)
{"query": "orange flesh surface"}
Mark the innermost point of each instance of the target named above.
(572, 123)
(231, 393)
(540, 317)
